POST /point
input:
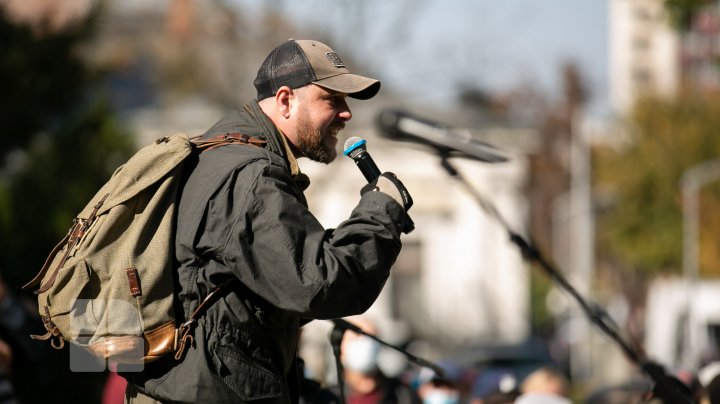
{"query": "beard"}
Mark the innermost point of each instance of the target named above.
(311, 142)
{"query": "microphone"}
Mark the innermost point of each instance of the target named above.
(356, 149)
(402, 126)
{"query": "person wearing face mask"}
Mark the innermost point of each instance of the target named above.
(364, 382)
(439, 391)
(446, 389)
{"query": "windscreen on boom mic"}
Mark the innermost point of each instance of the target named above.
(402, 126)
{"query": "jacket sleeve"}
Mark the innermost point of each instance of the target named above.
(267, 236)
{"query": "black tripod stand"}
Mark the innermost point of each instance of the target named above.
(664, 387)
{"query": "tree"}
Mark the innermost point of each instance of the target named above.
(643, 228)
(681, 12)
(60, 142)
(60, 138)
(41, 77)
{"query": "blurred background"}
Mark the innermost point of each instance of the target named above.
(607, 110)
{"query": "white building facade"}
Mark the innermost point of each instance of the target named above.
(459, 278)
(644, 52)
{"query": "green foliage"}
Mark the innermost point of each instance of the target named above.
(60, 172)
(644, 228)
(60, 142)
(681, 12)
(41, 76)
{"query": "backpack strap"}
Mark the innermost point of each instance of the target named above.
(183, 336)
(38, 278)
(205, 144)
(76, 233)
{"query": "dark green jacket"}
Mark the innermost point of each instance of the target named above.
(242, 213)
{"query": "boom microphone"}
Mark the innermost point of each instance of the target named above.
(402, 126)
(356, 149)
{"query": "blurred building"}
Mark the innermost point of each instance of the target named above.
(700, 49)
(643, 50)
(459, 280)
(651, 55)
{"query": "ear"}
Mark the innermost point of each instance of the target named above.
(283, 101)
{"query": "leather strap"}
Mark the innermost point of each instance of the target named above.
(36, 280)
(184, 336)
(205, 144)
(76, 233)
(53, 334)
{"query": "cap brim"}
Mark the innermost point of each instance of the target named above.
(360, 87)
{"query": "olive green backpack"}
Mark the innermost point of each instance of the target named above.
(108, 285)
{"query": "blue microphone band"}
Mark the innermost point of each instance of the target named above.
(349, 149)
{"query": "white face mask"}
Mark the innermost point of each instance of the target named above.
(441, 397)
(361, 354)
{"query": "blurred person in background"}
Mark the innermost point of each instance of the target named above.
(448, 388)
(709, 378)
(364, 382)
(440, 390)
(691, 382)
(7, 391)
(544, 386)
(242, 216)
(712, 391)
(22, 378)
(495, 386)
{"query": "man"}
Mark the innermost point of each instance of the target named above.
(242, 215)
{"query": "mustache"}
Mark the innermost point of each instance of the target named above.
(335, 128)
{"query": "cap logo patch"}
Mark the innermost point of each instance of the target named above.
(334, 59)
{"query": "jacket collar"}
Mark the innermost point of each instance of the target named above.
(251, 120)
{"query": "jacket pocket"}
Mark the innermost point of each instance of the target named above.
(247, 379)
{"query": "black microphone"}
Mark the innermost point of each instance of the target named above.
(402, 126)
(356, 149)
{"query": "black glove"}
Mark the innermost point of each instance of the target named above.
(390, 184)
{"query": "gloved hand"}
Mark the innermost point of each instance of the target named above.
(389, 183)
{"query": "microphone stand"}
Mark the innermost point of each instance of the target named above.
(664, 387)
(336, 338)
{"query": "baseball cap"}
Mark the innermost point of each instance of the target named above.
(296, 63)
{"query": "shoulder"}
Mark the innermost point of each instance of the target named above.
(236, 155)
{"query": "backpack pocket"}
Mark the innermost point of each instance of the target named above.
(61, 305)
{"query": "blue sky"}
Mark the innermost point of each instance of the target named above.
(426, 48)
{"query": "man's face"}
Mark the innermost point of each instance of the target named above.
(321, 114)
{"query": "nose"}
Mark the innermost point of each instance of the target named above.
(345, 114)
